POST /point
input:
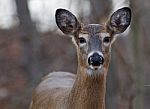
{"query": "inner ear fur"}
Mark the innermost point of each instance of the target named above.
(119, 20)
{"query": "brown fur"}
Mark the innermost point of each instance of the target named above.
(86, 90)
(61, 90)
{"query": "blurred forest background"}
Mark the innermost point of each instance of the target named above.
(31, 46)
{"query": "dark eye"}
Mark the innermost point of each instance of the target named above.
(106, 39)
(82, 40)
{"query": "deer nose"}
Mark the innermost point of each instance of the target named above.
(95, 60)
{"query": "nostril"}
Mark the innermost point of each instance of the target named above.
(101, 60)
(95, 60)
(90, 60)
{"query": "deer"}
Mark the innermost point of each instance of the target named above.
(86, 89)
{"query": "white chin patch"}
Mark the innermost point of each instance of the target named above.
(94, 71)
(96, 68)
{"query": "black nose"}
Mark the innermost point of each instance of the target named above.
(95, 60)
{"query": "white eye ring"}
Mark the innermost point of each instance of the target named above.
(106, 44)
(82, 39)
(82, 45)
(106, 41)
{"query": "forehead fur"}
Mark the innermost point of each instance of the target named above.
(93, 28)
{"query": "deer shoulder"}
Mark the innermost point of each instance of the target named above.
(53, 87)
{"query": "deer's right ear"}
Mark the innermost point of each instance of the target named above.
(66, 21)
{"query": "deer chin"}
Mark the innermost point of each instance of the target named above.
(95, 71)
(96, 67)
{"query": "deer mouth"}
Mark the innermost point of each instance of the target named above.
(95, 67)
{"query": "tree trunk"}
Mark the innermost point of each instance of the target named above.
(29, 42)
(100, 10)
(139, 26)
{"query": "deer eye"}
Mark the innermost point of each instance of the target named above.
(106, 39)
(82, 40)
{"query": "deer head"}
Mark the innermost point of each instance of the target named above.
(93, 41)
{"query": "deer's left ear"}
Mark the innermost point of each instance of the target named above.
(119, 20)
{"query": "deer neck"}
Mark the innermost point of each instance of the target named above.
(88, 92)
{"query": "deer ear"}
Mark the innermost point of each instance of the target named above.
(66, 21)
(120, 20)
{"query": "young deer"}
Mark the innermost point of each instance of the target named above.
(86, 90)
